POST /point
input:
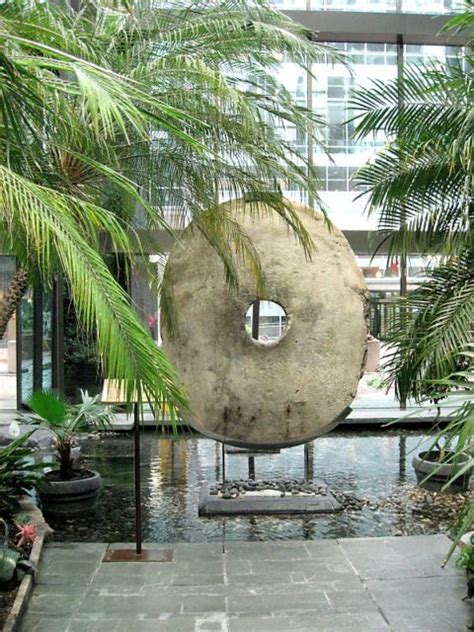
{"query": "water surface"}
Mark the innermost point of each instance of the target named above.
(373, 467)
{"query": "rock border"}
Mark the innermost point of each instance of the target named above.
(23, 595)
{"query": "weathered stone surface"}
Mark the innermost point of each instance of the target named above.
(280, 394)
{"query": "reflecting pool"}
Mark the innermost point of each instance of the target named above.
(370, 471)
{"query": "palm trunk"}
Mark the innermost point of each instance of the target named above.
(66, 464)
(12, 298)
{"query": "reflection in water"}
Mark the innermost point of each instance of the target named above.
(403, 458)
(370, 466)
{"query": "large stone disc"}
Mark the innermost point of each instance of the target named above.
(247, 393)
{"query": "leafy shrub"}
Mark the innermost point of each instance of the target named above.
(18, 473)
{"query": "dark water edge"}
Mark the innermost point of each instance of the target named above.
(370, 470)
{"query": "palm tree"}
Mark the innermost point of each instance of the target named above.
(174, 104)
(422, 187)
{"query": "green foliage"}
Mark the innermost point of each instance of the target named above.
(18, 473)
(51, 408)
(466, 557)
(121, 107)
(376, 382)
(12, 566)
(456, 435)
(466, 524)
(421, 185)
(66, 421)
(430, 329)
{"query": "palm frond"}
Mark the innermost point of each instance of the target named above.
(431, 327)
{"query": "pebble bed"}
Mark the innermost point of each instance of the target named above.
(294, 487)
(369, 473)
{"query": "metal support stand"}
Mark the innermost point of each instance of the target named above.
(137, 478)
(139, 554)
(402, 443)
(223, 463)
(256, 320)
(214, 504)
(252, 468)
(308, 462)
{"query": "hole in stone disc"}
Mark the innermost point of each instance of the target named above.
(266, 321)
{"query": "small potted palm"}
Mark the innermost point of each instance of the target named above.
(447, 464)
(68, 490)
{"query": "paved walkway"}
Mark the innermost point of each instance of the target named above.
(347, 585)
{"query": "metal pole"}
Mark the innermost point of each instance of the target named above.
(19, 353)
(138, 507)
(309, 131)
(400, 71)
(402, 463)
(403, 255)
(255, 319)
(58, 335)
(309, 462)
(38, 338)
(223, 464)
(252, 468)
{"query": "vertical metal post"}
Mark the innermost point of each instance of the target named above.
(402, 459)
(223, 464)
(308, 462)
(252, 468)
(19, 354)
(255, 319)
(309, 131)
(400, 70)
(403, 256)
(37, 338)
(138, 505)
(58, 336)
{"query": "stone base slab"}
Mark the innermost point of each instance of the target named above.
(212, 505)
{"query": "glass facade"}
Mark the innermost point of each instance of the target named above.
(38, 331)
(26, 345)
(329, 93)
(47, 342)
(332, 88)
(366, 6)
(8, 355)
(294, 79)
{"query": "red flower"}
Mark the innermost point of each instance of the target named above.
(26, 534)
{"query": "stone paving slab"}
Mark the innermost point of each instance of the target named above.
(358, 585)
(213, 505)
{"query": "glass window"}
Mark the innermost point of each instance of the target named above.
(290, 4)
(428, 6)
(27, 345)
(333, 87)
(417, 54)
(8, 343)
(47, 364)
(381, 6)
(294, 79)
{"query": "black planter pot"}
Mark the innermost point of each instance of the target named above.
(426, 463)
(69, 498)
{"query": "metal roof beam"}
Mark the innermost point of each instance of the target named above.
(355, 26)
